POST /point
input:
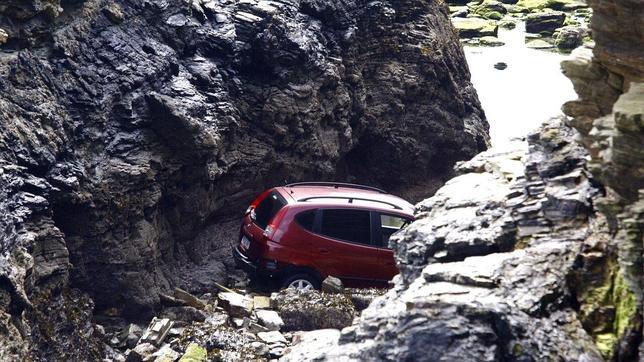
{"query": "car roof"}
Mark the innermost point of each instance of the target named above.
(342, 194)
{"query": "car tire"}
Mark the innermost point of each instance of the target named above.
(302, 281)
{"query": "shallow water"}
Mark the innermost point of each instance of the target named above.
(519, 98)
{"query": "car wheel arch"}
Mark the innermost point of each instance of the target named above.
(298, 269)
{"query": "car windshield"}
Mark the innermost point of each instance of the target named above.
(267, 208)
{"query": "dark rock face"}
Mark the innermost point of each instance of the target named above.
(618, 42)
(540, 262)
(609, 120)
(485, 276)
(130, 128)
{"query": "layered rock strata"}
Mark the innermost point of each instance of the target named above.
(512, 269)
(544, 264)
(131, 129)
(609, 79)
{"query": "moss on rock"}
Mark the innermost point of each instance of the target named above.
(551, 4)
(475, 27)
(194, 353)
(625, 304)
(608, 309)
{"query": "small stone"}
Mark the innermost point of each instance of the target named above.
(217, 319)
(131, 335)
(500, 65)
(236, 304)
(189, 299)
(99, 329)
(491, 41)
(271, 337)
(177, 20)
(539, 44)
(261, 302)
(270, 319)
(114, 13)
(166, 354)
(256, 328)
(238, 322)
(157, 331)
(276, 351)
(4, 36)
(508, 24)
(141, 352)
(259, 348)
(194, 353)
(332, 284)
(175, 332)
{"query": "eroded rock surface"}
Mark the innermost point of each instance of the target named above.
(485, 274)
(520, 267)
(538, 262)
(130, 128)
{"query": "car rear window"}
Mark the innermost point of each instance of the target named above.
(305, 219)
(267, 208)
(348, 225)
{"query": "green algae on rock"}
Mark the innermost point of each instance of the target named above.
(194, 353)
(609, 309)
(566, 5)
(475, 27)
(490, 9)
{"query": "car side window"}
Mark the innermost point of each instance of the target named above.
(346, 224)
(389, 224)
(306, 219)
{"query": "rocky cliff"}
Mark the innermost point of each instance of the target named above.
(131, 128)
(542, 258)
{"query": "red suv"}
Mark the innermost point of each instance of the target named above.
(301, 233)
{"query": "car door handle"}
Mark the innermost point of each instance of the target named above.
(323, 251)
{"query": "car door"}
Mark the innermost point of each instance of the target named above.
(386, 225)
(343, 245)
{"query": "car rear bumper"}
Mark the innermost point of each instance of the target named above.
(243, 261)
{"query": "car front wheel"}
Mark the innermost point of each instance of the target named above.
(301, 281)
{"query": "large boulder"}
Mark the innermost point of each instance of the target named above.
(308, 310)
(544, 22)
(475, 27)
(490, 9)
(570, 37)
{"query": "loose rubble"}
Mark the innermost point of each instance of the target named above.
(234, 325)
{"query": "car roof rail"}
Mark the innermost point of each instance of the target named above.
(337, 185)
(350, 200)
